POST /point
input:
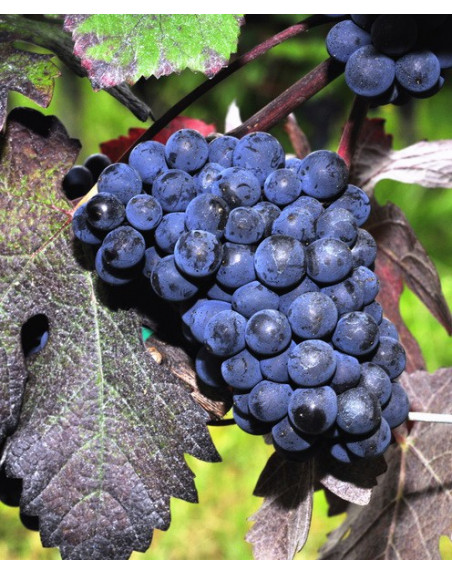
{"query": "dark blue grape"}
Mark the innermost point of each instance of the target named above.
(339, 224)
(286, 299)
(198, 253)
(151, 257)
(208, 369)
(280, 261)
(111, 276)
(296, 222)
(328, 260)
(313, 411)
(269, 212)
(282, 187)
(259, 152)
(96, 164)
(347, 295)
(174, 190)
(221, 150)
(77, 182)
(253, 297)
(325, 175)
(206, 176)
(244, 226)
(388, 329)
(250, 424)
(364, 21)
(364, 251)
(394, 34)
(268, 401)
(311, 363)
(186, 150)
(241, 371)
(375, 379)
(345, 38)
(375, 310)
(312, 315)
(238, 187)
(358, 411)
(268, 332)
(123, 247)
(217, 292)
(295, 165)
(237, 266)
(275, 367)
(105, 212)
(148, 159)
(224, 334)
(347, 374)
(144, 212)
(240, 403)
(207, 212)
(120, 180)
(369, 73)
(398, 407)
(169, 231)
(169, 284)
(368, 282)
(391, 356)
(83, 231)
(201, 313)
(356, 201)
(356, 334)
(418, 72)
(341, 453)
(372, 445)
(313, 206)
(288, 439)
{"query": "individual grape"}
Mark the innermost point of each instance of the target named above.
(105, 212)
(174, 190)
(268, 332)
(207, 212)
(120, 180)
(268, 401)
(111, 276)
(148, 159)
(376, 381)
(96, 164)
(83, 231)
(341, 453)
(313, 411)
(364, 251)
(312, 315)
(418, 71)
(369, 73)
(280, 261)
(259, 152)
(123, 248)
(240, 403)
(356, 202)
(253, 297)
(358, 411)
(206, 177)
(244, 226)
(368, 282)
(250, 424)
(217, 292)
(372, 445)
(364, 21)
(311, 363)
(388, 329)
(375, 310)
(275, 367)
(241, 371)
(269, 212)
(169, 230)
(224, 334)
(390, 355)
(282, 187)
(201, 313)
(286, 298)
(345, 38)
(169, 284)
(151, 257)
(186, 150)
(289, 440)
(295, 165)
(313, 206)
(394, 34)
(238, 187)
(328, 260)
(144, 212)
(325, 175)
(221, 150)
(237, 266)
(398, 407)
(296, 222)
(356, 334)
(339, 224)
(347, 374)
(347, 295)
(77, 182)
(208, 369)
(198, 253)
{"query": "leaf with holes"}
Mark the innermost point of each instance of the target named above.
(103, 429)
(123, 47)
(33, 75)
(411, 508)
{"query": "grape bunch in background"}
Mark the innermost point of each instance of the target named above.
(271, 270)
(390, 57)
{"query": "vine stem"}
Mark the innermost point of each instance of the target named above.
(352, 129)
(430, 417)
(288, 101)
(259, 50)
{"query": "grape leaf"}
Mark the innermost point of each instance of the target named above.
(123, 47)
(428, 164)
(33, 75)
(411, 508)
(103, 428)
(282, 523)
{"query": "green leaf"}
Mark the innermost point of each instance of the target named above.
(32, 75)
(123, 47)
(103, 427)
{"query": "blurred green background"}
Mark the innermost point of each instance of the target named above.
(216, 527)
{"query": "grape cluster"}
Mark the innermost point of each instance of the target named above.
(390, 57)
(271, 270)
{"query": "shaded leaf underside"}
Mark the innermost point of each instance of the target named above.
(123, 47)
(103, 428)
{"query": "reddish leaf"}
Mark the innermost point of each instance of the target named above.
(114, 149)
